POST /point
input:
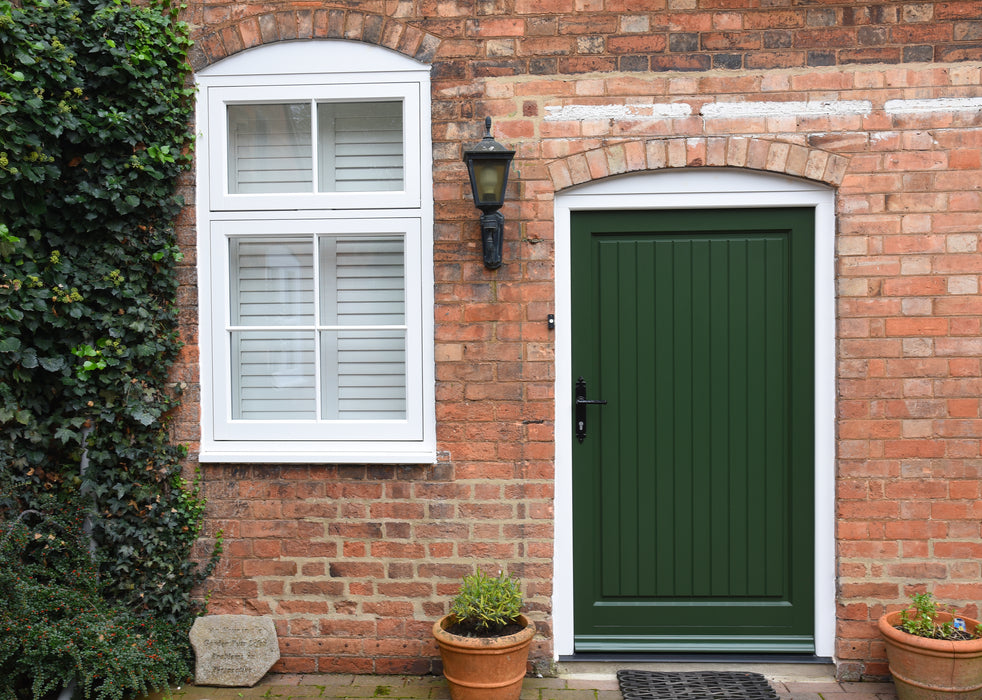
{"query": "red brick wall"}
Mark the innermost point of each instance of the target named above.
(355, 562)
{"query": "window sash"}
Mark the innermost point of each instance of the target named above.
(291, 348)
(393, 185)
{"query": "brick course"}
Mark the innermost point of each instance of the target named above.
(355, 562)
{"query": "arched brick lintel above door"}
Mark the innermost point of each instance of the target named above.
(768, 155)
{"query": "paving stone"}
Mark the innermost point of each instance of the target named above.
(295, 679)
(796, 687)
(596, 684)
(298, 691)
(567, 694)
(885, 689)
(546, 683)
(371, 691)
(440, 693)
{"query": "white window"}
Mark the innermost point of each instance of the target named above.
(315, 256)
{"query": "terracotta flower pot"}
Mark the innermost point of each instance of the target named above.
(933, 669)
(484, 668)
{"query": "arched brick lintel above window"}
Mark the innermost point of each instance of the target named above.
(228, 39)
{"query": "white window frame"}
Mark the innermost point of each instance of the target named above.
(299, 72)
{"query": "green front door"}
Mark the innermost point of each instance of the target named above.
(693, 484)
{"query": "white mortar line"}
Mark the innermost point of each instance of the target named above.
(939, 104)
(736, 110)
(830, 108)
(676, 110)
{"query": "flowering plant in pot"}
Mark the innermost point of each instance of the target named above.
(484, 641)
(933, 653)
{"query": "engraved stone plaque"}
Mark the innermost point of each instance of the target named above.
(233, 650)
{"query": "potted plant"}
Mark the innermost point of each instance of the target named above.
(933, 654)
(484, 641)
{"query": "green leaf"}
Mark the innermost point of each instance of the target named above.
(65, 435)
(9, 344)
(52, 364)
(29, 358)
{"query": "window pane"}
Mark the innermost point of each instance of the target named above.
(269, 148)
(364, 375)
(273, 375)
(272, 282)
(363, 281)
(360, 146)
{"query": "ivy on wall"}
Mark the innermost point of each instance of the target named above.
(94, 115)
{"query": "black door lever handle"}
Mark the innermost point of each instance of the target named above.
(582, 402)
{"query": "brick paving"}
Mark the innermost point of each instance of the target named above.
(355, 687)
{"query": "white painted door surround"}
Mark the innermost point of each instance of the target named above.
(701, 188)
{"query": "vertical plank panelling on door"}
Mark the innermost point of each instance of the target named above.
(687, 483)
(684, 464)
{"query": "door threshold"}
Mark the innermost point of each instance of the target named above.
(776, 667)
(710, 658)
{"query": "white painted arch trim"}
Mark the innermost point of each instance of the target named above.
(702, 188)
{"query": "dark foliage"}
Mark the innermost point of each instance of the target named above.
(94, 114)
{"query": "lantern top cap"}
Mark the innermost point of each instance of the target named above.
(487, 145)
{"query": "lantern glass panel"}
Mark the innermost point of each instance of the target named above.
(489, 179)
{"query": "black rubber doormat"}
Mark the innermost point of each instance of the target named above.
(694, 685)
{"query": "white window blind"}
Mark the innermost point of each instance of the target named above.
(271, 148)
(367, 291)
(272, 285)
(360, 339)
(360, 146)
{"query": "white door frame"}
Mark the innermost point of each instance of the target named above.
(702, 188)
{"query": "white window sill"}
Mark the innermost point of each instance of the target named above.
(318, 454)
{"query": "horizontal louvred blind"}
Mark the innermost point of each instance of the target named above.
(361, 146)
(270, 149)
(370, 282)
(360, 339)
(272, 282)
(368, 380)
(274, 375)
(273, 285)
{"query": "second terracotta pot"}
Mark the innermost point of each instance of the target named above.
(933, 669)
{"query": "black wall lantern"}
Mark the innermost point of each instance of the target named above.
(487, 166)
